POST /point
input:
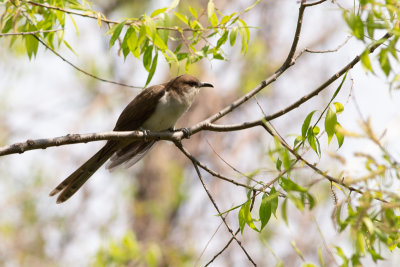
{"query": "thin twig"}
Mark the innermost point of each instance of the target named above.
(214, 173)
(81, 70)
(223, 249)
(313, 167)
(29, 33)
(287, 63)
(231, 239)
(208, 242)
(179, 145)
(314, 3)
(308, 50)
(101, 17)
(227, 163)
(96, 17)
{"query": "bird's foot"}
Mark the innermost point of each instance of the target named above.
(186, 132)
(145, 134)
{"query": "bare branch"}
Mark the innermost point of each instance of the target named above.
(84, 138)
(313, 167)
(214, 173)
(29, 33)
(287, 63)
(326, 83)
(81, 70)
(179, 145)
(98, 15)
(314, 3)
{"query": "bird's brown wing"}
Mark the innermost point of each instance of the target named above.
(140, 109)
(132, 118)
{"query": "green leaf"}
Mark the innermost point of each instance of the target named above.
(132, 43)
(222, 40)
(366, 63)
(341, 254)
(116, 31)
(284, 210)
(313, 140)
(242, 221)
(265, 211)
(152, 69)
(158, 41)
(158, 11)
(384, 61)
(182, 17)
(355, 23)
(147, 57)
(142, 35)
(210, 9)
(339, 107)
(218, 56)
(370, 25)
(174, 4)
(306, 124)
(278, 164)
(232, 36)
(69, 47)
(193, 12)
(289, 185)
(330, 123)
(226, 19)
(247, 216)
(315, 130)
(358, 29)
(245, 35)
(212, 17)
(150, 27)
(274, 201)
(32, 45)
(124, 45)
(253, 5)
(321, 258)
(287, 163)
(163, 21)
(8, 25)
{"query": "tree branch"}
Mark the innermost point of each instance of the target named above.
(287, 63)
(179, 145)
(31, 144)
(81, 70)
(29, 33)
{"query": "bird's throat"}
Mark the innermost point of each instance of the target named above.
(169, 109)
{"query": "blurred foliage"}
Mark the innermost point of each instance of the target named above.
(188, 35)
(130, 252)
(144, 37)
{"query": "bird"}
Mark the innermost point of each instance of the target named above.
(155, 108)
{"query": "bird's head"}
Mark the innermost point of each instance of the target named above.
(186, 84)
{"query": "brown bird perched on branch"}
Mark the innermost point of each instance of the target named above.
(156, 108)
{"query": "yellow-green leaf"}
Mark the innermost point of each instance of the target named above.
(366, 63)
(116, 31)
(339, 107)
(330, 123)
(232, 36)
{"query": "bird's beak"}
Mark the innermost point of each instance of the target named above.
(206, 85)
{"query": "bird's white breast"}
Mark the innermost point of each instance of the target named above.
(168, 110)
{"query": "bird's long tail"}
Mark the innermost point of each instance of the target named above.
(72, 183)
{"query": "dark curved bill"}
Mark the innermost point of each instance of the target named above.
(206, 85)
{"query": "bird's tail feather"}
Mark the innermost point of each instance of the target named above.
(72, 183)
(129, 155)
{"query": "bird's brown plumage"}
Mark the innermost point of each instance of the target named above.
(135, 114)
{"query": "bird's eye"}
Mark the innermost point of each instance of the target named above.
(192, 83)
